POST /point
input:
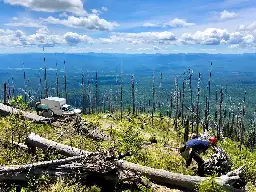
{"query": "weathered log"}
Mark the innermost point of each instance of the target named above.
(22, 172)
(34, 140)
(6, 169)
(156, 175)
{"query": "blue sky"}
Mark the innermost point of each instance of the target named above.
(128, 26)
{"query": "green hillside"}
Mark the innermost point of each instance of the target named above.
(152, 144)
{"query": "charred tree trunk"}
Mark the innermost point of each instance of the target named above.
(5, 93)
(65, 81)
(220, 127)
(83, 95)
(198, 103)
(57, 81)
(96, 93)
(45, 81)
(133, 96)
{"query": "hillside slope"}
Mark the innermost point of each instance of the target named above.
(153, 144)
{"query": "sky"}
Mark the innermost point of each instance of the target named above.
(128, 26)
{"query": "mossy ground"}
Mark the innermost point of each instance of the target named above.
(132, 134)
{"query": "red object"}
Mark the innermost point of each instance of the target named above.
(213, 140)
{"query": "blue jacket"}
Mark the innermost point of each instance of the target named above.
(198, 145)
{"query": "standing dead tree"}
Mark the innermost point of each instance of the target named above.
(220, 126)
(83, 95)
(65, 81)
(133, 95)
(57, 81)
(176, 100)
(198, 103)
(45, 80)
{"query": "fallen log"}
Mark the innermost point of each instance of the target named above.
(156, 175)
(34, 140)
(22, 172)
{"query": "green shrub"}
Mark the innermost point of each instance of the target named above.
(209, 185)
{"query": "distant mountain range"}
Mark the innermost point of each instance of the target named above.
(134, 63)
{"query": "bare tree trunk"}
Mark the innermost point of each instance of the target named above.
(65, 81)
(45, 81)
(83, 95)
(242, 121)
(191, 100)
(57, 81)
(220, 127)
(96, 93)
(5, 93)
(177, 105)
(198, 103)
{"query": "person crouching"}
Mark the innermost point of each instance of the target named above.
(192, 150)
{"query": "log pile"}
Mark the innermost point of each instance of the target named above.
(108, 165)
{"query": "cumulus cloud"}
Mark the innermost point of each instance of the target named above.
(74, 38)
(91, 22)
(178, 23)
(141, 38)
(42, 38)
(225, 15)
(155, 40)
(172, 23)
(210, 36)
(74, 6)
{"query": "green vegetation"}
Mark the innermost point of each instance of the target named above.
(152, 145)
(209, 185)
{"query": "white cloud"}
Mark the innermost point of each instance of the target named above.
(225, 15)
(210, 36)
(74, 6)
(100, 11)
(42, 38)
(150, 25)
(249, 28)
(91, 22)
(74, 38)
(234, 46)
(178, 23)
(175, 23)
(143, 49)
(64, 14)
(208, 50)
(15, 18)
(105, 9)
(141, 38)
(235, 38)
(95, 11)
(156, 48)
(24, 24)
